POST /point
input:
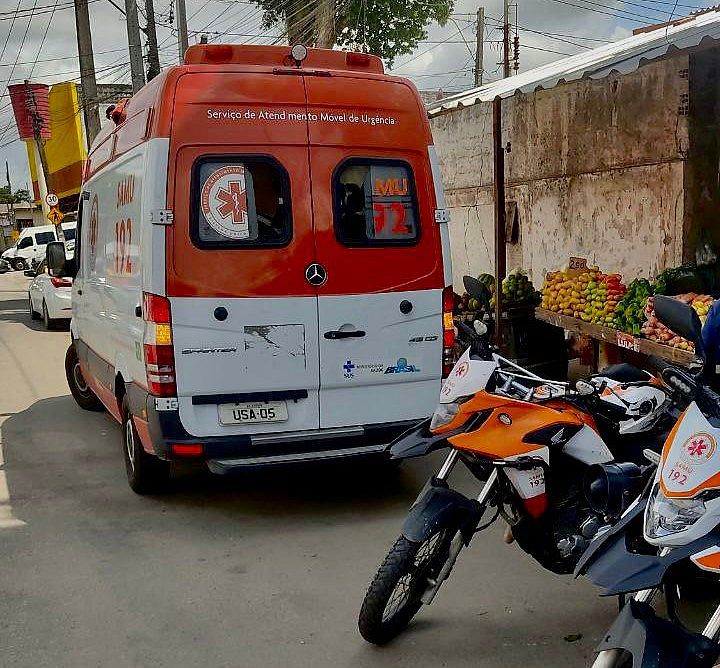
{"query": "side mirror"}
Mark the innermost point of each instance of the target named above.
(476, 289)
(55, 257)
(681, 319)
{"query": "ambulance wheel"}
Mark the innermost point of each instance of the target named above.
(83, 395)
(146, 473)
(19, 264)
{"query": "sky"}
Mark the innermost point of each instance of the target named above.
(40, 44)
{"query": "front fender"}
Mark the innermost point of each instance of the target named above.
(417, 441)
(440, 507)
(610, 563)
(657, 643)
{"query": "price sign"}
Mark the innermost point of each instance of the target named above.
(577, 263)
(51, 199)
(628, 342)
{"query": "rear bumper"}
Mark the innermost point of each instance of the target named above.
(61, 305)
(225, 454)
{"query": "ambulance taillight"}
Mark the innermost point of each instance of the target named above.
(158, 348)
(448, 304)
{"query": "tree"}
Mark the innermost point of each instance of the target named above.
(385, 28)
(14, 198)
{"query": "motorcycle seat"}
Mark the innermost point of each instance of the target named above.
(624, 373)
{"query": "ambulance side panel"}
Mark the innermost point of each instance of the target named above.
(110, 332)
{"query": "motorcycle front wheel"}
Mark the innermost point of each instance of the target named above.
(395, 594)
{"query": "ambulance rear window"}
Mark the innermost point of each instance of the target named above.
(375, 203)
(240, 202)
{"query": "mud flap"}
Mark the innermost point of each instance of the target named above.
(440, 507)
(657, 643)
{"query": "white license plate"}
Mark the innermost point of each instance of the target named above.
(252, 412)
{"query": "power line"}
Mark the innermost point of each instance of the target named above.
(539, 48)
(635, 18)
(7, 39)
(39, 11)
(42, 41)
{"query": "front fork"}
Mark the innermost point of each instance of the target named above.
(608, 658)
(458, 541)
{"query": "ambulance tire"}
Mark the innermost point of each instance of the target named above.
(146, 473)
(81, 392)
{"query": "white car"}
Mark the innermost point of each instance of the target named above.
(49, 297)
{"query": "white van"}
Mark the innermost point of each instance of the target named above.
(32, 242)
(256, 287)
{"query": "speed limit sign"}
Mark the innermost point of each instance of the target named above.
(51, 199)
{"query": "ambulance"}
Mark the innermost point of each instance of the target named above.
(262, 269)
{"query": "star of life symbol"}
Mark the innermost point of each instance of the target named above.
(462, 370)
(699, 447)
(224, 202)
(233, 201)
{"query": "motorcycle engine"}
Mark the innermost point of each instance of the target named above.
(562, 534)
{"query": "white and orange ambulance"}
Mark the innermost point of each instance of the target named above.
(262, 270)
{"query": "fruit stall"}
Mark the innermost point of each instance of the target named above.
(536, 345)
(619, 317)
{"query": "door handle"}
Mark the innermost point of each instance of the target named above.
(138, 311)
(79, 291)
(339, 334)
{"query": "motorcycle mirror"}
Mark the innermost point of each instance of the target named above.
(476, 289)
(480, 328)
(584, 388)
(680, 318)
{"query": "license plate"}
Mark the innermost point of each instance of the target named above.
(252, 412)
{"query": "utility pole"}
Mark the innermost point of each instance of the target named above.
(152, 43)
(182, 28)
(326, 24)
(41, 164)
(11, 207)
(87, 71)
(479, 46)
(134, 45)
(506, 38)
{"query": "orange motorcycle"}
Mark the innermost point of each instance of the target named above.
(529, 441)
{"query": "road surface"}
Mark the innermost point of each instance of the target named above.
(266, 570)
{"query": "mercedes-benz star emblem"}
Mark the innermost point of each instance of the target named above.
(316, 274)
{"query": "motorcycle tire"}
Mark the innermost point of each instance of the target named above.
(394, 595)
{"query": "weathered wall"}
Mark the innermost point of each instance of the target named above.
(596, 169)
(702, 182)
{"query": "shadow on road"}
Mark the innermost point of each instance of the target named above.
(270, 567)
(53, 447)
(18, 310)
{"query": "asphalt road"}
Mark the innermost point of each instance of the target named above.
(264, 570)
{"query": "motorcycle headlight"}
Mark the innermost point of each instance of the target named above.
(670, 516)
(444, 414)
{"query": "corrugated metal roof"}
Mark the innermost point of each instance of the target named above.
(623, 56)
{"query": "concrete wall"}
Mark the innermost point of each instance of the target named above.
(596, 169)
